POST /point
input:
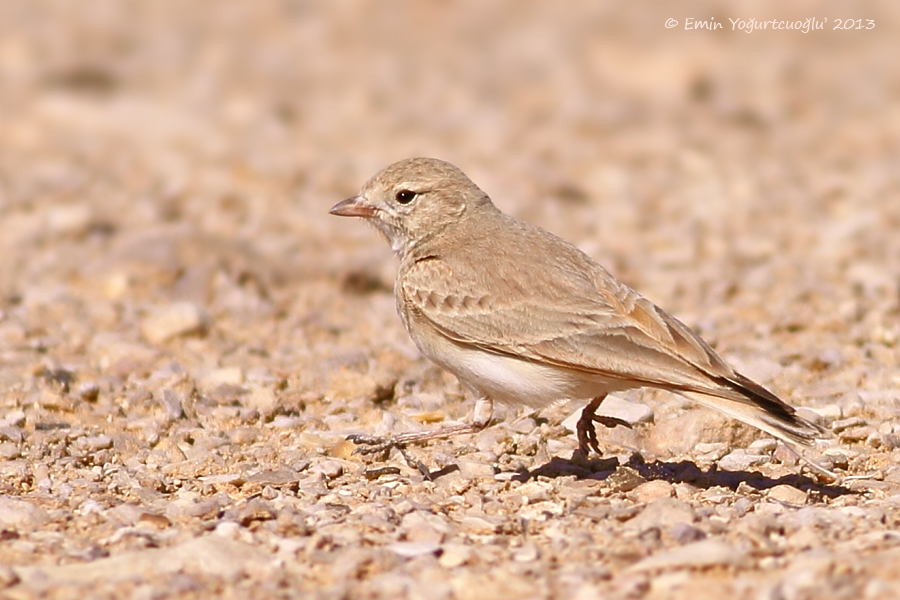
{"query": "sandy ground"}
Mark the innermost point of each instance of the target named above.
(186, 336)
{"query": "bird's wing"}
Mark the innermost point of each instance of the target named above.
(585, 320)
(581, 319)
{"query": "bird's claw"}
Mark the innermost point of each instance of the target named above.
(373, 444)
(587, 432)
(611, 421)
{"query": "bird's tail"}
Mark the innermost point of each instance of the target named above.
(747, 401)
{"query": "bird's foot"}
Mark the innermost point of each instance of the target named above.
(373, 444)
(587, 432)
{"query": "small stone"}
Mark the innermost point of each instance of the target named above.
(624, 479)
(329, 468)
(8, 577)
(785, 455)
(828, 413)
(223, 479)
(88, 391)
(535, 491)
(787, 494)
(527, 553)
(231, 376)
(632, 413)
(684, 533)
(661, 514)
(421, 526)
(838, 457)
(682, 433)
(454, 555)
(413, 549)
(262, 399)
(286, 422)
(8, 451)
(841, 425)
(256, 509)
(278, 478)
(243, 436)
(173, 320)
(711, 451)
(741, 460)
(14, 418)
(856, 434)
(699, 555)
(479, 525)
(10, 433)
(652, 490)
(763, 446)
(69, 219)
(94, 443)
(883, 441)
(472, 469)
(170, 400)
(523, 426)
(20, 515)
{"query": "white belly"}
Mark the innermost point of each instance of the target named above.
(516, 381)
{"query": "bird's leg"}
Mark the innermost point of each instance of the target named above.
(587, 433)
(481, 417)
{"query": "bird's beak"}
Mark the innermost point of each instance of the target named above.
(353, 207)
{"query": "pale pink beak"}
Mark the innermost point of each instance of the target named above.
(353, 207)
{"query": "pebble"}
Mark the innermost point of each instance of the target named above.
(88, 391)
(684, 533)
(94, 443)
(535, 491)
(13, 419)
(8, 451)
(741, 460)
(633, 413)
(8, 577)
(762, 446)
(454, 555)
(883, 441)
(421, 526)
(855, 434)
(843, 424)
(172, 320)
(226, 376)
(698, 555)
(472, 469)
(652, 490)
(21, 515)
(328, 467)
(787, 494)
(414, 549)
(527, 553)
(827, 413)
(479, 524)
(262, 399)
(662, 514)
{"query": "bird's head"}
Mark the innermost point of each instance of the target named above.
(412, 200)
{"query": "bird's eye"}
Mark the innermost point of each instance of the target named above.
(405, 196)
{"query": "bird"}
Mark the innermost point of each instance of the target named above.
(522, 317)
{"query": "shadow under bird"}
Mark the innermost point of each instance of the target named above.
(521, 316)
